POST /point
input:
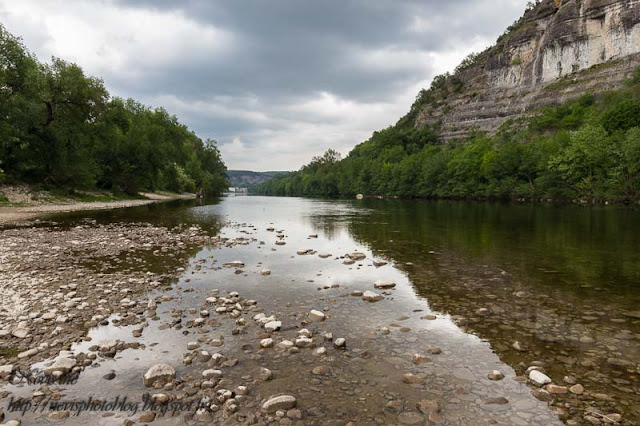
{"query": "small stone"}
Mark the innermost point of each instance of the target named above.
(483, 312)
(285, 344)
(5, 371)
(321, 370)
(542, 395)
(384, 285)
(265, 374)
(577, 389)
(316, 316)
(212, 374)
(159, 373)
(496, 375)
(340, 343)
(429, 406)
(496, 401)
(411, 378)
(372, 297)
(556, 390)
(282, 402)
(539, 378)
(419, 359)
(265, 272)
(110, 375)
(518, 347)
(59, 415)
(20, 332)
(272, 326)
(147, 417)
(410, 418)
(266, 343)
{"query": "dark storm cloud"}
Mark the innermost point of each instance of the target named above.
(276, 81)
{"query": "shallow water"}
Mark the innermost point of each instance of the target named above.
(561, 280)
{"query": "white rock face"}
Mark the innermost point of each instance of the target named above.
(159, 373)
(316, 316)
(539, 378)
(282, 402)
(370, 296)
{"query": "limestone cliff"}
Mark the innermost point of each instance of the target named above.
(559, 50)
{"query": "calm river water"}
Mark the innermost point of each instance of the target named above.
(479, 287)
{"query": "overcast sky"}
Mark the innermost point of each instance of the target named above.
(275, 82)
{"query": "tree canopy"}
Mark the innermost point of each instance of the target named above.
(588, 149)
(61, 127)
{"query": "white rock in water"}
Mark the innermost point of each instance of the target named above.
(370, 296)
(356, 255)
(61, 364)
(282, 402)
(105, 345)
(272, 326)
(6, 370)
(340, 342)
(539, 378)
(316, 316)
(384, 285)
(193, 345)
(265, 272)
(359, 197)
(159, 373)
(20, 332)
(266, 343)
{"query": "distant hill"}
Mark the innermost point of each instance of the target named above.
(249, 179)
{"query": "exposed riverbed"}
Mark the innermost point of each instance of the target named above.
(482, 297)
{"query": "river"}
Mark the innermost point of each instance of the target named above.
(478, 287)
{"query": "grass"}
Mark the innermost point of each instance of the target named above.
(10, 352)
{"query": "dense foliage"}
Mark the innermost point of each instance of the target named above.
(587, 149)
(62, 128)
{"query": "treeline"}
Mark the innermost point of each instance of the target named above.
(60, 127)
(587, 149)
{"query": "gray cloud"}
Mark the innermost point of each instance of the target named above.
(275, 82)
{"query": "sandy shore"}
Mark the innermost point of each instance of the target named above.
(16, 214)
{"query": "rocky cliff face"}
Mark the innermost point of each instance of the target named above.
(559, 50)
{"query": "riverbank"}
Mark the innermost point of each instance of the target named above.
(23, 205)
